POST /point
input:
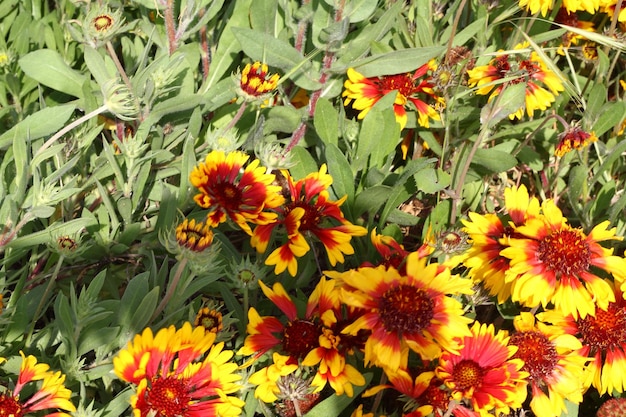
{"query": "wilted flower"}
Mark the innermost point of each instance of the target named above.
(573, 138)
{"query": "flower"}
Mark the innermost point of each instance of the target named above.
(552, 262)
(101, 25)
(484, 372)
(51, 393)
(414, 88)
(193, 236)
(573, 138)
(554, 365)
(392, 253)
(406, 311)
(255, 83)
(534, 6)
(314, 340)
(308, 211)
(603, 339)
(210, 319)
(230, 189)
(295, 396)
(490, 234)
(425, 394)
(504, 69)
(179, 372)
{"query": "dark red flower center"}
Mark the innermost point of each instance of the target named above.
(312, 215)
(436, 396)
(167, 397)
(402, 83)
(502, 65)
(467, 374)
(537, 352)
(606, 330)
(9, 407)
(300, 337)
(566, 252)
(406, 309)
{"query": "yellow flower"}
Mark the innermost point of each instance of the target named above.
(266, 379)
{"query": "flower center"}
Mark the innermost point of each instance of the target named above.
(565, 252)
(467, 374)
(210, 319)
(9, 407)
(102, 22)
(403, 83)
(311, 218)
(537, 352)
(406, 309)
(606, 330)
(300, 337)
(168, 397)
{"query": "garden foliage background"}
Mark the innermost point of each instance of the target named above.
(384, 110)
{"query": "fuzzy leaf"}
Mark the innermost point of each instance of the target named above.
(50, 69)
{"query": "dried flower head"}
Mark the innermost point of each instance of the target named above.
(573, 138)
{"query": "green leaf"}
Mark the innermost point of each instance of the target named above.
(48, 68)
(379, 134)
(431, 180)
(326, 121)
(371, 200)
(577, 184)
(304, 164)
(263, 14)
(610, 116)
(278, 53)
(530, 157)
(339, 169)
(44, 236)
(397, 62)
(282, 119)
(494, 160)
(333, 405)
(37, 125)
(96, 66)
(509, 101)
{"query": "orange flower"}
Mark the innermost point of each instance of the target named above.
(414, 88)
(573, 138)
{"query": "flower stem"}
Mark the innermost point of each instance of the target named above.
(69, 127)
(170, 26)
(238, 115)
(171, 289)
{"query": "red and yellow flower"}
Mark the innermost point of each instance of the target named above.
(413, 89)
(490, 234)
(484, 373)
(255, 83)
(603, 339)
(314, 341)
(552, 262)
(308, 211)
(553, 361)
(513, 69)
(415, 310)
(51, 393)
(179, 372)
(231, 189)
